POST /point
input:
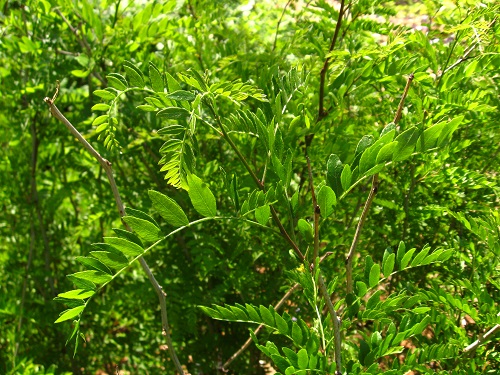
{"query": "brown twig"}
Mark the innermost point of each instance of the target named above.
(106, 165)
(482, 339)
(371, 196)
(317, 212)
(279, 23)
(284, 233)
(81, 41)
(258, 329)
(357, 234)
(321, 111)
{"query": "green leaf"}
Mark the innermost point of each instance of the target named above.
(117, 81)
(96, 277)
(173, 113)
(291, 356)
(155, 78)
(262, 214)
(406, 259)
(252, 313)
(172, 83)
(345, 177)
(70, 314)
(448, 130)
(144, 229)
(201, 197)
(146, 108)
(280, 362)
(334, 170)
(327, 200)
(77, 294)
(306, 230)
(374, 275)
(297, 334)
(94, 263)
(105, 94)
(141, 215)
(302, 359)
(114, 261)
(388, 265)
(134, 76)
(386, 152)
(82, 284)
(122, 233)
(128, 248)
(420, 256)
(401, 253)
(182, 95)
(168, 209)
(281, 324)
(101, 107)
(406, 144)
(361, 288)
(267, 316)
(429, 137)
(100, 120)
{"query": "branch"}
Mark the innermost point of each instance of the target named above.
(355, 240)
(279, 23)
(249, 341)
(321, 111)
(336, 324)
(82, 42)
(317, 212)
(371, 196)
(259, 183)
(482, 339)
(119, 204)
(323, 290)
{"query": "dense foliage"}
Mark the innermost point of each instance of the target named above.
(269, 155)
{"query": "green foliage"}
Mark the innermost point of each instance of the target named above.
(205, 111)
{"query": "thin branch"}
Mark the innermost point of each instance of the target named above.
(482, 339)
(259, 183)
(279, 23)
(397, 116)
(355, 240)
(371, 196)
(258, 329)
(81, 41)
(321, 111)
(317, 212)
(119, 204)
(336, 324)
(323, 289)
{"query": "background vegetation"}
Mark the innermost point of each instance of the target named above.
(320, 75)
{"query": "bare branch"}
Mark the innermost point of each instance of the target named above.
(119, 204)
